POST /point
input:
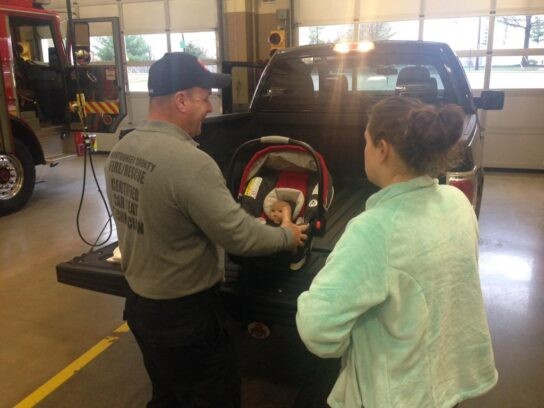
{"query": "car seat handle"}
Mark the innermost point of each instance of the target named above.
(274, 140)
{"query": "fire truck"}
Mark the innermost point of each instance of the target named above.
(52, 96)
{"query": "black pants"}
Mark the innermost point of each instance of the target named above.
(187, 352)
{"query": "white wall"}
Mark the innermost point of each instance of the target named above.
(514, 137)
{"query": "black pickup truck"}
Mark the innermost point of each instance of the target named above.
(321, 95)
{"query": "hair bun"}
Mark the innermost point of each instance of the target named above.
(423, 135)
(451, 121)
(436, 129)
(423, 119)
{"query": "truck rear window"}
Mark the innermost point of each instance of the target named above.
(352, 82)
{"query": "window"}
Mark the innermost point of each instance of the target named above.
(525, 68)
(47, 43)
(137, 78)
(101, 42)
(459, 33)
(325, 34)
(515, 32)
(475, 69)
(391, 30)
(517, 45)
(38, 76)
(510, 72)
(148, 47)
(142, 49)
(347, 82)
(201, 44)
(386, 77)
(102, 49)
(34, 42)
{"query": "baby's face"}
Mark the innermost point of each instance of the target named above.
(276, 212)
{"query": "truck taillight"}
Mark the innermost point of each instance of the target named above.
(466, 181)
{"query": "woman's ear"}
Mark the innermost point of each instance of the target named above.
(384, 150)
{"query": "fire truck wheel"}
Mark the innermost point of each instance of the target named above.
(17, 177)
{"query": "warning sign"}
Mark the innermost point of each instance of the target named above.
(110, 74)
(253, 187)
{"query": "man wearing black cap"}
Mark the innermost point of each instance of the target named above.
(174, 215)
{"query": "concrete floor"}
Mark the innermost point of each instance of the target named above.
(44, 325)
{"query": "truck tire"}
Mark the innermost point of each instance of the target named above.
(17, 177)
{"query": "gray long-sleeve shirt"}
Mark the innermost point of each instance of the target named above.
(172, 210)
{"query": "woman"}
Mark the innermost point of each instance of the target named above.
(399, 297)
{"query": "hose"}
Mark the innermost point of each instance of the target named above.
(93, 245)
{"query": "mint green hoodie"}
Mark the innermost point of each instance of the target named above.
(399, 299)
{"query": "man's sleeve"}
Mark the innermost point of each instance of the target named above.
(212, 208)
(351, 282)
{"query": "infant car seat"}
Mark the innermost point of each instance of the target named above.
(287, 170)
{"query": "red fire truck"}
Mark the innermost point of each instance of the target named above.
(45, 99)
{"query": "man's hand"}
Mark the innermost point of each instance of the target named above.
(298, 230)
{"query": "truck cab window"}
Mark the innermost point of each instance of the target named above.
(38, 73)
(348, 83)
(33, 41)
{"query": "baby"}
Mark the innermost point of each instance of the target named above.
(277, 209)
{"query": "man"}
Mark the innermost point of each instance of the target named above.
(173, 211)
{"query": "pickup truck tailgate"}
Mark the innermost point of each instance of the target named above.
(92, 271)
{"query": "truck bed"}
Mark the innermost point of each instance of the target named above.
(259, 291)
(251, 290)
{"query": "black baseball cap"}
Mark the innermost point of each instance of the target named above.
(177, 71)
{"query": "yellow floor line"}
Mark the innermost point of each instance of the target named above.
(71, 369)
